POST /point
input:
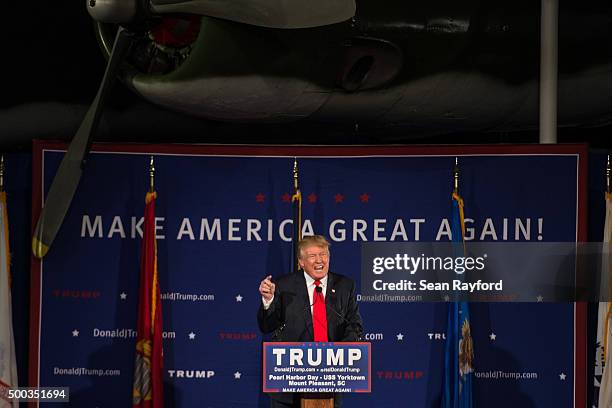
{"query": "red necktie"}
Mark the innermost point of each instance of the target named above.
(319, 314)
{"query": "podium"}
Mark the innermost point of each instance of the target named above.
(316, 371)
(314, 400)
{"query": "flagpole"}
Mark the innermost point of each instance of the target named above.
(295, 173)
(2, 173)
(297, 196)
(456, 176)
(2, 169)
(608, 175)
(603, 393)
(147, 391)
(296, 200)
(606, 271)
(151, 175)
(8, 372)
(458, 349)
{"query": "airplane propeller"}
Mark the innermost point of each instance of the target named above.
(68, 175)
(288, 14)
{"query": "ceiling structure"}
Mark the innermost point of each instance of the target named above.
(463, 76)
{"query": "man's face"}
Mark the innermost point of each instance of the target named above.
(315, 261)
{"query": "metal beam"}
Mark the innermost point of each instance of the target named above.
(548, 70)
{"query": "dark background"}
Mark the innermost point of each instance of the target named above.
(52, 66)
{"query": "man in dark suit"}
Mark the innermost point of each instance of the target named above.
(311, 305)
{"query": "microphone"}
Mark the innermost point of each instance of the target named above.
(343, 319)
(306, 311)
(319, 289)
(278, 332)
(314, 300)
(329, 306)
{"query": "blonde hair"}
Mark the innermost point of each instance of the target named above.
(314, 240)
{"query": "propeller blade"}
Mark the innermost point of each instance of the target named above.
(265, 13)
(69, 173)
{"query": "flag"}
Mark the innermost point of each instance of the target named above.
(296, 201)
(603, 376)
(459, 346)
(148, 379)
(8, 365)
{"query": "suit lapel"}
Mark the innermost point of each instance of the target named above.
(330, 297)
(302, 292)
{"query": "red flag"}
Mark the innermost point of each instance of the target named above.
(148, 380)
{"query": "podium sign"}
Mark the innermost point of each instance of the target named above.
(316, 367)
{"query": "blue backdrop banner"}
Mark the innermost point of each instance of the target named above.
(224, 222)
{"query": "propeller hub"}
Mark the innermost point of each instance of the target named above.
(112, 11)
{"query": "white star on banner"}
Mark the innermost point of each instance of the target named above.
(492, 336)
(562, 376)
(75, 333)
(123, 295)
(540, 298)
(446, 298)
(237, 375)
(192, 336)
(400, 336)
(239, 298)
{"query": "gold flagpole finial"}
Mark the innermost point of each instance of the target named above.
(151, 175)
(608, 175)
(456, 176)
(2, 173)
(295, 173)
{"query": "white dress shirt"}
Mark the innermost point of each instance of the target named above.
(310, 287)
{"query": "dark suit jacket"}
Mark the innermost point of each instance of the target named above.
(289, 316)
